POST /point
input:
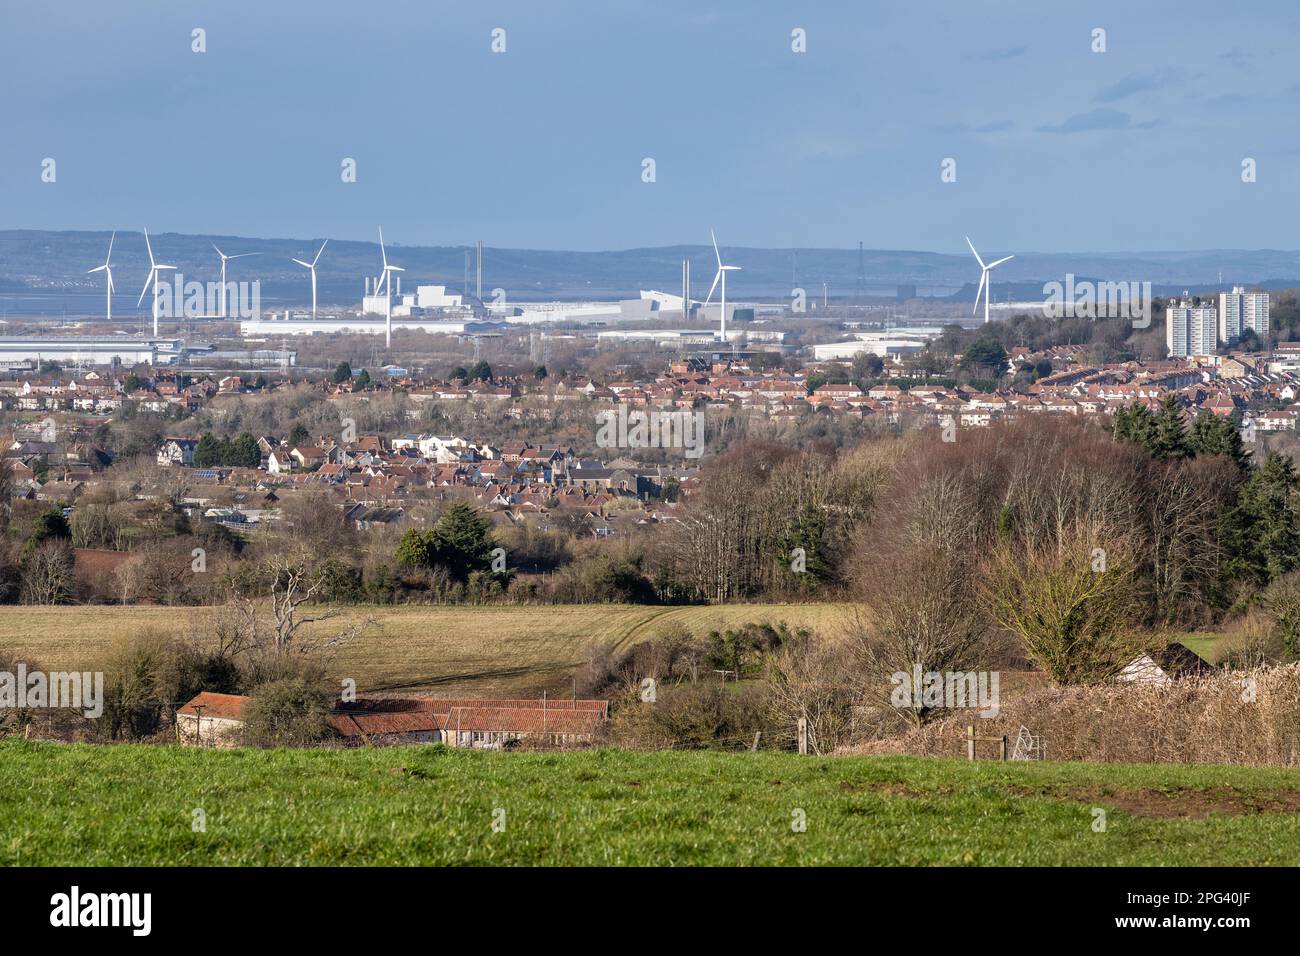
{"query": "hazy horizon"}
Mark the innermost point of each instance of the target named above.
(1058, 148)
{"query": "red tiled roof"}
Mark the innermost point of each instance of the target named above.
(363, 724)
(522, 720)
(215, 705)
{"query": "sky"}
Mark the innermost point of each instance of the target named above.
(1057, 148)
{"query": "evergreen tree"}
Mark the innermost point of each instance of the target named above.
(244, 452)
(413, 551)
(1264, 528)
(342, 372)
(1135, 423)
(1170, 438)
(1217, 435)
(208, 452)
(462, 541)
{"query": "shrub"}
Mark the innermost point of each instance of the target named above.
(291, 712)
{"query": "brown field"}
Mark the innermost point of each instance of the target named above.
(487, 650)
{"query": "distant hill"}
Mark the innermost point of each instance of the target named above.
(58, 261)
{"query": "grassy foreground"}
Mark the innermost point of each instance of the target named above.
(489, 650)
(121, 805)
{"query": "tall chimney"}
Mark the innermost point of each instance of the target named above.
(686, 289)
(479, 292)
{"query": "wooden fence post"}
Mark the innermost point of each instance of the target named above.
(803, 735)
(758, 734)
(970, 741)
(1002, 748)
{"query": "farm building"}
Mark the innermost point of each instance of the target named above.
(1172, 663)
(211, 720)
(478, 722)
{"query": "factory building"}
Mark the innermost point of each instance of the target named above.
(94, 350)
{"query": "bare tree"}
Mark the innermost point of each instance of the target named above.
(811, 678)
(48, 574)
(267, 613)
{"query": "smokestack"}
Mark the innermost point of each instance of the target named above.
(479, 292)
(367, 285)
(686, 289)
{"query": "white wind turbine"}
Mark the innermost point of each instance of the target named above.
(383, 280)
(107, 268)
(312, 266)
(721, 274)
(154, 269)
(224, 259)
(985, 283)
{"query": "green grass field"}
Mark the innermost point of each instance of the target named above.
(132, 804)
(491, 650)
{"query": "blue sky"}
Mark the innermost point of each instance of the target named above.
(1057, 148)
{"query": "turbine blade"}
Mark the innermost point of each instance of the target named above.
(983, 278)
(147, 280)
(716, 253)
(96, 269)
(148, 246)
(1000, 261)
(318, 251)
(305, 265)
(109, 257)
(219, 252)
(716, 276)
(976, 254)
(111, 286)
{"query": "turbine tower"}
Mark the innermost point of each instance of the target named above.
(985, 283)
(306, 265)
(383, 279)
(154, 269)
(224, 259)
(107, 267)
(721, 274)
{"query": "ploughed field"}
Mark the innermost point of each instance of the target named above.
(478, 650)
(78, 805)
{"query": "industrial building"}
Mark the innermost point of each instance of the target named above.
(94, 350)
(888, 344)
(302, 325)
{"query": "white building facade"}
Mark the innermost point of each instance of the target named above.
(1240, 311)
(1191, 329)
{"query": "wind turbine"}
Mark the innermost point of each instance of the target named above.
(154, 269)
(720, 274)
(388, 291)
(107, 267)
(224, 259)
(306, 265)
(985, 284)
